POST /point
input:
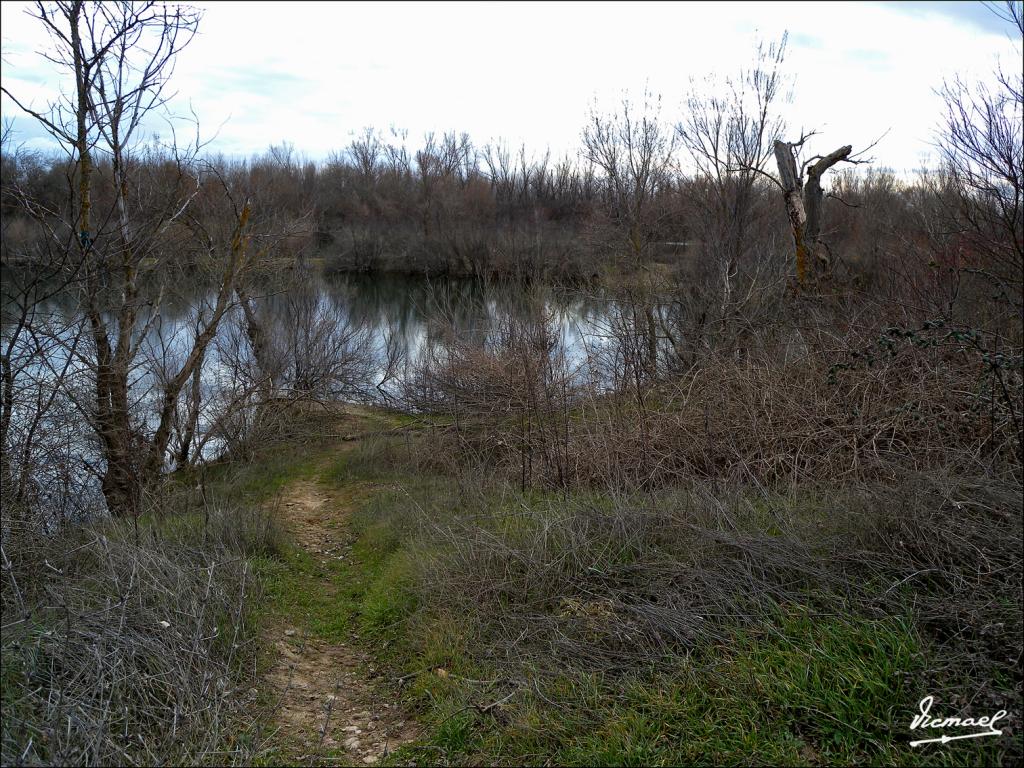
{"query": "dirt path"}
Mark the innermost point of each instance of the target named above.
(329, 710)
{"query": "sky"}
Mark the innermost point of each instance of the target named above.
(316, 74)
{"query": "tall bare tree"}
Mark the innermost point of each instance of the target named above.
(124, 227)
(980, 144)
(729, 131)
(633, 153)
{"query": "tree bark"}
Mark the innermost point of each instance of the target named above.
(792, 195)
(192, 419)
(813, 194)
(257, 340)
(804, 201)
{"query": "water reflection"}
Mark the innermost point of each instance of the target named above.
(315, 326)
(417, 312)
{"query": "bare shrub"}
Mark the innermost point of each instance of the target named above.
(507, 392)
(125, 646)
(863, 410)
(613, 583)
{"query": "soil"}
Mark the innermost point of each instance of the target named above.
(328, 701)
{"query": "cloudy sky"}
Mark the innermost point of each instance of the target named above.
(315, 73)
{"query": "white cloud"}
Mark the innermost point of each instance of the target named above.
(312, 73)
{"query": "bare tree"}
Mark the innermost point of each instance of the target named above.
(729, 131)
(803, 197)
(633, 152)
(980, 145)
(121, 56)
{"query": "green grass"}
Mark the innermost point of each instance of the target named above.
(365, 591)
(261, 480)
(793, 687)
(293, 585)
(812, 691)
(823, 692)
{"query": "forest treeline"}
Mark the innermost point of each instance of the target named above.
(453, 208)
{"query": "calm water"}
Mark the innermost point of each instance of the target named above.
(373, 313)
(418, 311)
(408, 311)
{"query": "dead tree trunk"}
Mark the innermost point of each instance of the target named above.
(804, 200)
(813, 193)
(792, 195)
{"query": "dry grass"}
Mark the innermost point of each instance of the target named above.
(131, 647)
(606, 583)
(802, 409)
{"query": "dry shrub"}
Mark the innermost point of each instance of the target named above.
(855, 411)
(762, 421)
(950, 546)
(125, 651)
(508, 395)
(613, 584)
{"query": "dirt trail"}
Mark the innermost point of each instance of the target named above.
(328, 706)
